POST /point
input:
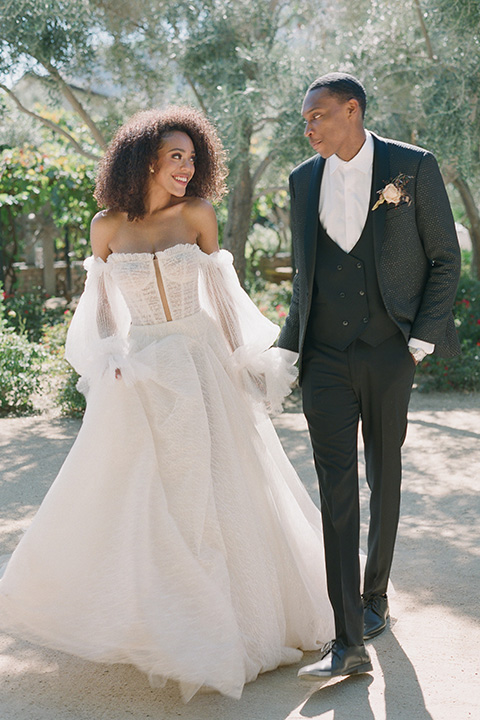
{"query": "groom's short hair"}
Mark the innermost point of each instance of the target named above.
(344, 86)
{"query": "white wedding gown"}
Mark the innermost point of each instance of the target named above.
(177, 536)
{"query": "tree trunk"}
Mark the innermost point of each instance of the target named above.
(474, 219)
(49, 280)
(2, 272)
(48, 232)
(9, 248)
(239, 214)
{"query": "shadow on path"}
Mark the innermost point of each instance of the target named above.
(446, 429)
(338, 697)
(32, 451)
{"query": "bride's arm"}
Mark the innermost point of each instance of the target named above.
(101, 231)
(99, 327)
(207, 240)
(267, 372)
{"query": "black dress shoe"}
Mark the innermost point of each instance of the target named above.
(375, 616)
(338, 659)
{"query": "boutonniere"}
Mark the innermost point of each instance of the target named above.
(394, 193)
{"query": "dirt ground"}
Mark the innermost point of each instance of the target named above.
(426, 666)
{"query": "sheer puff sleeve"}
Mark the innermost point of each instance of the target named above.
(266, 372)
(97, 337)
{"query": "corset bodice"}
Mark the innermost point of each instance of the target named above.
(138, 281)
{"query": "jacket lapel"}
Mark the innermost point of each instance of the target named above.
(381, 177)
(311, 224)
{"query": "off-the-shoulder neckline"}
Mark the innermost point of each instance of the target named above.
(154, 254)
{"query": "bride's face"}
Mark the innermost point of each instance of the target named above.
(175, 165)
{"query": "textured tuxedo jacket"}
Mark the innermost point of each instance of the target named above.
(416, 249)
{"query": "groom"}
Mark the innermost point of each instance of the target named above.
(378, 265)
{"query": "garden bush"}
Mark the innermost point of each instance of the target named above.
(20, 371)
(29, 368)
(63, 377)
(272, 299)
(69, 399)
(27, 313)
(461, 372)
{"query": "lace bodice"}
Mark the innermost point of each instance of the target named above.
(140, 282)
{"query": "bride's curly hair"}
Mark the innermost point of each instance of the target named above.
(125, 168)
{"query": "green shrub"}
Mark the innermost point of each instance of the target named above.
(272, 299)
(63, 377)
(54, 336)
(27, 313)
(28, 368)
(20, 371)
(461, 372)
(71, 401)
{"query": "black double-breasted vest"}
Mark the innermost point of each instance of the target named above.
(346, 302)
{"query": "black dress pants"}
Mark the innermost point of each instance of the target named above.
(339, 388)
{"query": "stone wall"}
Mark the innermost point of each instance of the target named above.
(29, 277)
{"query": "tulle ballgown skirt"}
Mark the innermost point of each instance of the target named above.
(177, 536)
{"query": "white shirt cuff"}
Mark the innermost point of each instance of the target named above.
(422, 345)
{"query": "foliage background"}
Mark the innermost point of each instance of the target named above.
(247, 64)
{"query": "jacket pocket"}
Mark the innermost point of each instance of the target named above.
(400, 211)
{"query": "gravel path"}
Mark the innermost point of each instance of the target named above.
(426, 666)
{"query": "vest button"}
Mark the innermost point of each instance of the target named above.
(359, 266)
(345, 322)
(342, 295)
(365, 320)
(339, 267)
(361, 292)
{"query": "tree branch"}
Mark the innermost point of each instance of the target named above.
(196, 93)
(76, 105)
(425, 34)
(261, 168)
(48, 123)
(270, 191)
(474, 218)
(260, 124)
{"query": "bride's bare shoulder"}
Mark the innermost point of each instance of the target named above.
(202, 217)
(196, 207)
(103, 228)
(108, 219)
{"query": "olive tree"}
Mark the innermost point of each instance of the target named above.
(419, 61)
(244, 62)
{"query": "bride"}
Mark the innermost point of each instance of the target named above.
(177, 536)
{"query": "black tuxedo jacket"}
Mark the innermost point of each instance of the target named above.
(416, 248)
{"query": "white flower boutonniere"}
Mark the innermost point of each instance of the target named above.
(394, 193)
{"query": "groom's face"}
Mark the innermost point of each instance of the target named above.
(329, 123)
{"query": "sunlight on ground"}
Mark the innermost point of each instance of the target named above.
(19, 659)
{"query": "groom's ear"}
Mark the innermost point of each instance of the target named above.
(354, 109)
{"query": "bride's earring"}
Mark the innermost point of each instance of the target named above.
(152, 169)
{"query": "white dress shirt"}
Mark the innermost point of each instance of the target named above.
(344, 203)
(345, 195)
